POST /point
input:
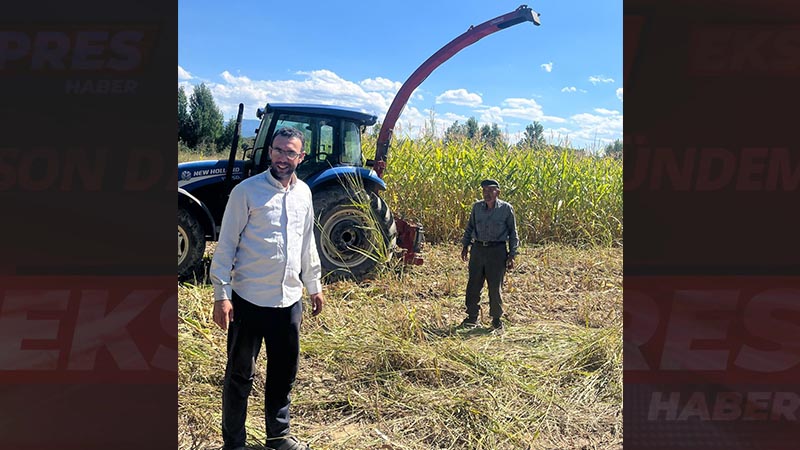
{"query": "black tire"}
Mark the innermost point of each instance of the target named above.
(348, 243)
(191, 245)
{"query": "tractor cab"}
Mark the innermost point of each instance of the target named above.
(332, 136)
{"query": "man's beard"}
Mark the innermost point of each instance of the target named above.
(281, 176)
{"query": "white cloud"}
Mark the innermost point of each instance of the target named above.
(380, 84)
(569, 89)
(374, 95)
(605, 111)
(319, 86)
(228, 77)
(526, 109)
(460, 97)
(561, 130)
(596, 130)
(412, 122)
(183, 74)
(516, 108)
(188, 88)
(442, 121)
(450, 117)
(594, 79)
(619, 94)
(548, 67)
(591, 131)
(491, 115)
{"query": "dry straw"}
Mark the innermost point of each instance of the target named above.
(385, 366)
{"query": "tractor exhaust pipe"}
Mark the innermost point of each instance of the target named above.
(232, 157)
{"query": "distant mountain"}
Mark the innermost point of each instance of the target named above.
(249, 127)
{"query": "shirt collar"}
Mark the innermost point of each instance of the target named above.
(486, 205)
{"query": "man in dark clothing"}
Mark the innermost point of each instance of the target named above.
(491, 225)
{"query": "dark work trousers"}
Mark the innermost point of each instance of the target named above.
(486, 264)
(280, 330)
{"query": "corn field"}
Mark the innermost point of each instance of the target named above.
(558, 195)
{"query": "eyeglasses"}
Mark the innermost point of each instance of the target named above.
(287, 153)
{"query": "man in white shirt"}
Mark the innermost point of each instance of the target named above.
(265, 256)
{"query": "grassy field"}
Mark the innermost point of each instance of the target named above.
(384, 366)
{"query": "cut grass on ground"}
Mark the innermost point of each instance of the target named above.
(385, 366)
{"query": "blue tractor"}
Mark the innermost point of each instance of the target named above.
(356, 229)
(333, 169)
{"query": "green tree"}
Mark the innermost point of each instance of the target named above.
(486, 130)
(533, 134)
(455, 132)
(496, 135)
(614, 150)
(458, 131)
(183, 115)
(472, 128)
(491, 135)
(205, 118)
(225, 138)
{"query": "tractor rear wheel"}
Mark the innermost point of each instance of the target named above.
(355, 232)
(191, 245)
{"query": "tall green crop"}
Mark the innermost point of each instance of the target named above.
(559, 195)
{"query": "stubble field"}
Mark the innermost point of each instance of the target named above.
(385, 366)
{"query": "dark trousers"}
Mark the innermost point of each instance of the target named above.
(486, 264)
(279, 328)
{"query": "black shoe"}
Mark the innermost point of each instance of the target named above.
(497, 324)
(470, 322)
(287, 443)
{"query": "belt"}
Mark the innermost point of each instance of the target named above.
(489, 243)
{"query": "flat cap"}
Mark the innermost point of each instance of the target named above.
(490, 182)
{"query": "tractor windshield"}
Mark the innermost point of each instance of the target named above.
(329, 141)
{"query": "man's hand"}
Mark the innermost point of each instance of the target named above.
(510, 262)
(464, 253)
(223, 313)
(316, 303)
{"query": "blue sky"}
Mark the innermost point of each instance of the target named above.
(566, 73)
